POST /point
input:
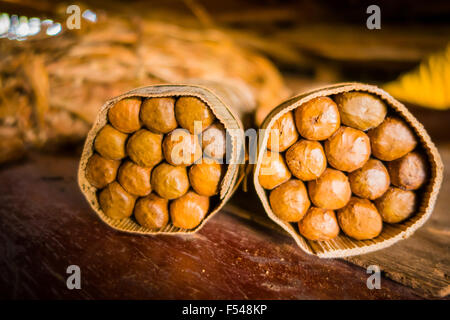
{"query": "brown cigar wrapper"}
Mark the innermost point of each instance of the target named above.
(228, 102)
(343, 246)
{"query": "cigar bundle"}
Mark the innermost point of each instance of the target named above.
(346, 170)
(165, 158)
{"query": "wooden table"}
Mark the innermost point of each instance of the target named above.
(46, 225)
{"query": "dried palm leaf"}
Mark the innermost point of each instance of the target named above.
(51, 89)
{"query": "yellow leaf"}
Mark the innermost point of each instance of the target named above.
(428, 85)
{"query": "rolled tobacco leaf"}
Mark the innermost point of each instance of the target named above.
(144, 168)
(359, 173)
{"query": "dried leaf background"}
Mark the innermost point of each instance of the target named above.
(51, 89)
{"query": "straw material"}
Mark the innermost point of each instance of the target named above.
(227, 114)
(51, 89)
(343, 246)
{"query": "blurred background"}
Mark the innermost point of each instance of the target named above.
(54, 79)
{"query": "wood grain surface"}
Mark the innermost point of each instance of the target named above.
(421, 262)
(46, 225)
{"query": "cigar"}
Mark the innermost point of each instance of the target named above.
(339, 164)
(156, 159)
